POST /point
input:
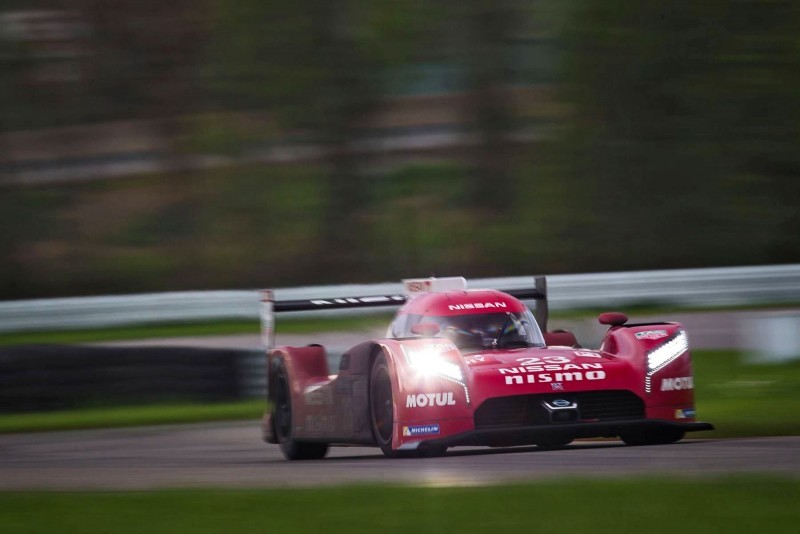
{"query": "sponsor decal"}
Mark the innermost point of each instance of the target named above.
(359, 300)
(418, 286)
(420, 430)
(536, 360)
(415, 286)
(544, 378)
(651, 334)
(686, 413)
(677, 384)
(572, 372)
(478, 306)
(423, 400)
(556, 386)
(523, 369)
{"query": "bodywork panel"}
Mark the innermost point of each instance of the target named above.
(640, 377)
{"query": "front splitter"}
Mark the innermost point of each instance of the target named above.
(530, 435)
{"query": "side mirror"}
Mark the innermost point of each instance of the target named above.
(612, 318)
(425, 329)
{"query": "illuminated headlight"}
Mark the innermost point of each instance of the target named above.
(666, 353)
(429, 362)
(662, 356)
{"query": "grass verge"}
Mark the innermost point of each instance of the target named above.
(733, 505)
(744, 399)
(131, 416)
(217, 328)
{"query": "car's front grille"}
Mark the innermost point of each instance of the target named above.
(525, 410)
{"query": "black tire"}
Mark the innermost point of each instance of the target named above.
(552, 443)
(432, 451)
(291, 448)
(656, 436)
(381, 405)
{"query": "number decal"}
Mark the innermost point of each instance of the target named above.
(532, 360)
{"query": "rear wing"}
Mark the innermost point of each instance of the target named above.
(269, 306)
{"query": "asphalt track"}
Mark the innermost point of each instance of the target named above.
(232, 455)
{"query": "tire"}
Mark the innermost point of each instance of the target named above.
(432, 451)
(657, 436)
(552, 443)
(381, 405)
(291, 448)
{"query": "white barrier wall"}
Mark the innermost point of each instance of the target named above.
(686, 287)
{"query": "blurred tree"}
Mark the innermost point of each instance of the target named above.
(145, 59)
(681, 144)
(317, 66)
(485, 42)
(76, 61)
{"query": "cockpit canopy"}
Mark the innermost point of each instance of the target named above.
(472, 320)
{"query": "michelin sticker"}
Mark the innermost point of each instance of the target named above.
(421, 430)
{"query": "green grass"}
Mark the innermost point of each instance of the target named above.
(731, 505)
(131, 416)
(215, 328)
(744, 399)
(129, 332)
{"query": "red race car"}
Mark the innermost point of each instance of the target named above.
(474, 367)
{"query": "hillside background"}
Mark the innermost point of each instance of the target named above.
(150, 146)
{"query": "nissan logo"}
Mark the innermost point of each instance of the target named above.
(561, 403)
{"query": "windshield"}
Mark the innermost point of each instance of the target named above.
(471, 332)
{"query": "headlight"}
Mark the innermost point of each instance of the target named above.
(428, 361)
(669, 351)
(663, 355)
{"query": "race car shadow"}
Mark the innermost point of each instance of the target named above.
(575, 446)
(532, 448)
(479, 451)
(374, 454)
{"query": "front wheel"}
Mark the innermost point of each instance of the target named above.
(291, 448)
(552, 443)
(381, 405)
(657, 436)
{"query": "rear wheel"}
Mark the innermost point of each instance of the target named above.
(652, 436)
(381, 405)
(291, 448)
